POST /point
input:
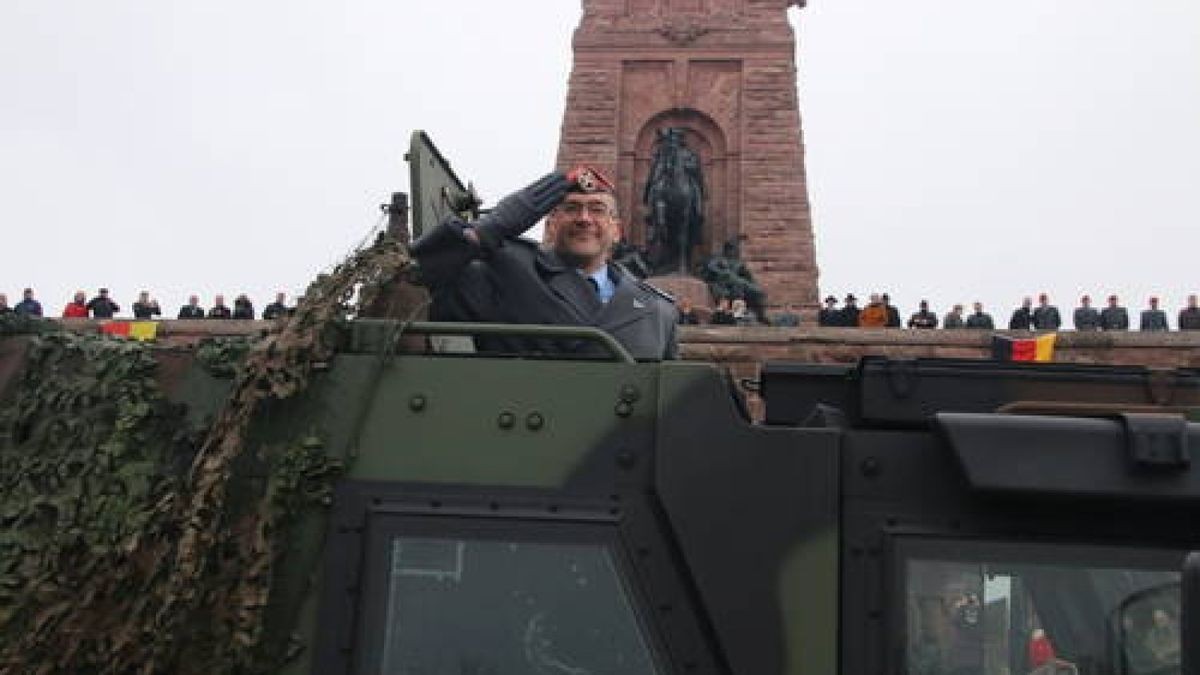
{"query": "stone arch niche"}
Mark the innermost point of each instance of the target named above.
(726, 71)
(707, 139)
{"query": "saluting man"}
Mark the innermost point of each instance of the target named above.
(484, 271)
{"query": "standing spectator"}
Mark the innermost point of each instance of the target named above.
(4, 308)
(980, 318)
(219, 310)
(954, 318)
(829, 315)
(146, 307)
(1189, 317)
(1086, 317)
(277, 309)
(242, 308)
(848, 316)
(893, 314)
(28, 306)
(102, 306)
(1046, 317)
(1022, 317)
(874, 315)
(1154, 319)
(687, 313)
(1114, 317)
(77, 307)
(192, 310)
(923, 318)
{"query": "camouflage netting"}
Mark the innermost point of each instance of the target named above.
(121, 548)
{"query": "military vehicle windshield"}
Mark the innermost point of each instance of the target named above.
(486, 605)
(1002, 609)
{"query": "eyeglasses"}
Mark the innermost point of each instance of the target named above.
(594, 209)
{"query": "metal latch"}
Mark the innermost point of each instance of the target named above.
(1158, 441)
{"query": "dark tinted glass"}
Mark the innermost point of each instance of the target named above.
(1001, 609)
(486, 607)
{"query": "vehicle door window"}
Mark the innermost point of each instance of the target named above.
(1005, 608)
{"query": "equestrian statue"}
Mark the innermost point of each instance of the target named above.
(674, 197)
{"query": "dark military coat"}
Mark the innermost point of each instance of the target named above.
(520, 282)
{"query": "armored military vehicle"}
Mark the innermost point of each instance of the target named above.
(338, 497)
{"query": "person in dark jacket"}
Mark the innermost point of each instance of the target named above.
(28, 306)
(1046, 316)
(146, 307)
(1153, 319)
(893, 313)
(1189, 317)
(923, 318)
(1114, 316)
(4, 308)
(1022, 317)
(242, 308)
(848, 315)
(829, 316)
(192, 310)
(102, 306)
(485, 271)
(219, 310)
(954, 318)
(980, 318)
(1086, 317)
(276, 309)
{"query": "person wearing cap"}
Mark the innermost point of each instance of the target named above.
(923, 318)
(484, 271)
(1114, 316)
(829, 316)
(1086, 317)
(848, 316)
(28, 306)
(1153, 318)
(1189, 317)
(1045, 316)
(102, 306)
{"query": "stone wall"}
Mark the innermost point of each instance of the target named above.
(743, 350)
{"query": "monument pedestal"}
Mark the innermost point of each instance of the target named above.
(685, 289)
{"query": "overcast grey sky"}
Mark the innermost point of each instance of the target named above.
(957, 149)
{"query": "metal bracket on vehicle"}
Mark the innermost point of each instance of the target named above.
(1157, 441)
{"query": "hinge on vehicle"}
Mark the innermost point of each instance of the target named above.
(1157, 441)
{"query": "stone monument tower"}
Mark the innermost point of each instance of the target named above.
(724, 72)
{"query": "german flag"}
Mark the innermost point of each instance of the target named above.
(143, 331)
(1039, 348)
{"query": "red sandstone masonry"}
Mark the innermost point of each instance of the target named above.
(728, 74)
